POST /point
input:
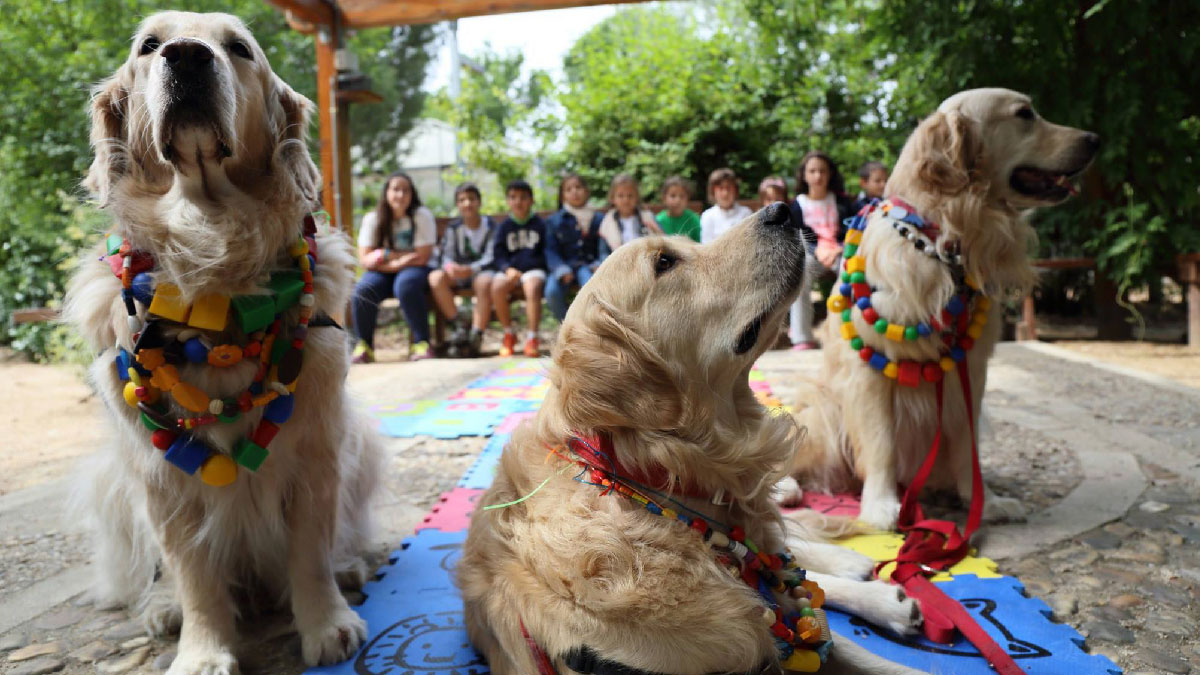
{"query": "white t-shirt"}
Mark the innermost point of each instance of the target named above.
(478, 236)
(407, 233)
(631, 228)
(716, 221)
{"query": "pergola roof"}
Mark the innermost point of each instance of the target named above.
(369, 13)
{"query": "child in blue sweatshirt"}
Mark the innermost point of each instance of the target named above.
(574, 247)
(519, 251)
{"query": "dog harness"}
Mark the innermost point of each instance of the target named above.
(802, 637)
(930, 546)
(173, 334)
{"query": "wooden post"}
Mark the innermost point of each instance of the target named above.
(1027, 330)
(336, 182)
(1189, 275)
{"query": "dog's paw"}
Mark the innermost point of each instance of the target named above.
(1003, 509)
(891, 607)
(203, 663)
(880, 514)
(351, 574)
(335, 640)
(787, 492)
(162, 616)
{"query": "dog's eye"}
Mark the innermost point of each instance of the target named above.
(1026, 113)
(149, 45)
(240, 49)
(664, 262)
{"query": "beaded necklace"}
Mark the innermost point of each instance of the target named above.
(151, 370)
(802, 638)
(959, 324)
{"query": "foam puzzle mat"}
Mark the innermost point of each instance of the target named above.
(414, 611)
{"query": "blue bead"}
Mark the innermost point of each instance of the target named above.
(279, 410)
(864, 302)
(924, 330)
(312, 262)
(195, 351)
(955, 306)
(654, 508)
(256, 388)
(123, 363)
(143, 287)
(187, 453)
(845, 290)
(878, 361)
(684, 519)
(958, 354)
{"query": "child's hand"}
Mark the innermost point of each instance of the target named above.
(828, 254)
(650, 223)
(374, 258)
(568, 278)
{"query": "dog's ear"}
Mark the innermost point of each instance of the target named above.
(947, 152)
(609, 377)
(109, 137)
(291, 133)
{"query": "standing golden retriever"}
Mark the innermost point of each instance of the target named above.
(973, 168)
(655, 355)
(201, 160)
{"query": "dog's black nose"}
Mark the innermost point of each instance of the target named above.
(184, 55)
(1092, 141)
(777, 215)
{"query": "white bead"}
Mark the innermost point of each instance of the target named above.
(215, 406)
(187, 334)
(897, 212)
(135, 324)
(208, 344)
(912, 236)
(718, 540)
(307, 300)
(279, 388)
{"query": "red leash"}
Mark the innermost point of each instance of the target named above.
(932, 546)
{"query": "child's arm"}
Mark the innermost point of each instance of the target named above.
(500, 251)
(707, 227)
(488, 258)
(650, 223)
(558, 268)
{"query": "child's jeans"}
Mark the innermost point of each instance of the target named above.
(556, 290)
(800, 329)
(410, 285)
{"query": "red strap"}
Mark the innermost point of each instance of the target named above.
(539, 655)
(935, 545)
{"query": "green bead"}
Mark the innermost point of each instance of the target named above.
(286, 286)
(858, 278)
(249, 454)
(113, 244)
(254, 312)
(845, 277)
(856, 343)
(845, 315)
(910, 333)
(807, 611)
(881, 326)
(851, 249)
(279, 347)
(151, 424)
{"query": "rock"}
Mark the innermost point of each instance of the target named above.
(1037, 587)
(1109, 613)
(43, 666)
(1091, 582)
(1118, 528)
(60, 619)
(1163, 661)
(1098, 629)
(1168, 595)
(1102, 541)
(33, 651)
(1076, 555)
(1146, 551)
(1118, 575)
(125, 663)
(1187, 573)
(1063, 605)
(1169, 623)
(13, 641)
(164, 660)
(92, 652)
(125, 631)
(135, 643)
(1153, 506)
(1126, 600)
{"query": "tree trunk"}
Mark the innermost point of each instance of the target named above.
(1111, 318)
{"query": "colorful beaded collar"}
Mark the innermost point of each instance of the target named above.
(802, 637)
(958, 325)
(173, 334)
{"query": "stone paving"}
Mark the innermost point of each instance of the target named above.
(1108, 463)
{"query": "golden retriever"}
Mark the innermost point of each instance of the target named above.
(200, 158)
(655, 354)
(974, 167)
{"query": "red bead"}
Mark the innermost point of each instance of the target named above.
(162, 439)
(947, 318)
(245, 401)
(866, 353)
(909, 373)
(966, 343)
(860, 290)
(263, 434)
(932, 372)
(298, 344)
(964, 320)
(782, 632)
(935, 324)
(252, 349)
(870, 315)
(699, 525)
(737, 533)
(776, 563)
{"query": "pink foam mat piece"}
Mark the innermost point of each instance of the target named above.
(514, 420)
(833, 505)
(453, 511)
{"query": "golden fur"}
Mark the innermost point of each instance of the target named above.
(648, 353)
(216, 195)
(959, 169)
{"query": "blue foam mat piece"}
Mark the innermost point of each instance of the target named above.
(481, 473)
(1019, 623)
(502, 380)
(414, 615)
(451, 419)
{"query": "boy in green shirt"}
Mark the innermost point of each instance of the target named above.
(677, 218)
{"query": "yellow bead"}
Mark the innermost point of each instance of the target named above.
(803, 661)
(853, 236)
(130, 394)
(849, 332)
(983, 302)
(218, 470)
(891, 370)
(946, 363)
(670, 514)
(975, 330)
(168, 304)
(971, 282)
(836, 303)
(298, 248)
(979, 318)
(190, 397)
(210, 312)
(134, 376)
(895, 332)
(856, 264)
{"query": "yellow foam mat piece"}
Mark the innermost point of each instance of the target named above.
(885, 546)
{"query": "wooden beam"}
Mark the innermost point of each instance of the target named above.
(1189, 275)
(326, 81)
(368, 13)
(309, 11)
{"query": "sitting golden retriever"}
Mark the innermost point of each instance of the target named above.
(969, 172)
(650, 388)
(211, 323)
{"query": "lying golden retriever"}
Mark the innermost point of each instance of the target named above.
(654, 358)
(200, 158)
(973, 169)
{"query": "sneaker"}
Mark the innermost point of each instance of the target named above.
(804, 346)
(531, 348)
(510, 343)
(475, 346)
(420, 351)
(362, 353)
(458, 343)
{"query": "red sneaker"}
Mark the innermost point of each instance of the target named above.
(510, 343)
(531, 348)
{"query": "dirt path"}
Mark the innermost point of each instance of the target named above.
(1173, 361)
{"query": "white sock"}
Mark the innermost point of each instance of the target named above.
(532, 335)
